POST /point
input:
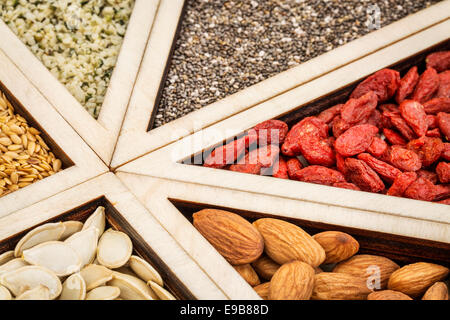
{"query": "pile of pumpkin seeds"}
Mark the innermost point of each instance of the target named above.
(75, 261)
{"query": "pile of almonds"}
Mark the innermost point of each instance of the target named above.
(24, 156)
(75, 261)
(283, 262)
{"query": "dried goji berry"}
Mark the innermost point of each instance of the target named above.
(304, 130)
(415, 116)
(226, 154)
(421, 189)
(388, 107)
(317, 151)
(445, 201)
(443, 119)
(346, 185)
(386, 171)
(443, 172)
(401, 125)
(355, 140)
(407, 85)
(446, 152)
(271, 131)
(432, 176)
(265, 156)
(359, 173)
(340, 163)
(439, 60)
(328, 114)
(444, 85)
(427, 86)
(293, 166)
(384, 83)
(401, 183)
(404, 159)
(435, 133)
(428, 149)
(377, 147)
(441, 191)
(359, 109)
(280, 169)
(319, 175)
(393, 137)
(339, 126)
(432, 121)
(246, 168)
(437, 105)
(374, 119)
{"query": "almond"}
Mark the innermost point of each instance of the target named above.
(338, 246)
(339, 286)
(263, 290)
(414, 279)
(285, 242)
(236, 239)
(437, 291)
(265, 267)
(293, 281)
(376, 270)
(388, 295)
(246, 271)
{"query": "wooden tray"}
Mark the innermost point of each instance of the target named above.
(136, 138)
(101, 135)
(181, 275)
(173, 204)
(79, 162)
(304, 100)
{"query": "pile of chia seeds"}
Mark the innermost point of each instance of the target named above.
(227, 45)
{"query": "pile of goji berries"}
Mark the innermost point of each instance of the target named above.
(391, 137)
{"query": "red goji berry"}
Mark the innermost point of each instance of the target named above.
(437, 105)
(304, 130)
(374, 119)
(446, 152)
(384, 83)
(359, 173)
(435, 133)
(265, 156)
(393, 137)
(346, 185)
(427, 86)
(404, 159)
(428, 149)
(407, 85)
(443, 172)
(271, 131)
(401, 125)
(339, 126)
(415, 116)
(432, 176)
(226, 154)
(246, 168)
(328, 114)
(439, 60)
(319, 175)
(388, 107)
(445, 201)
(355, 140)
(293, 166)
(444, 85)
(317, 151)
(377, 147)
(359, 109)
(421, 189)
(432, 121)
(443, 119)
(386, 171)
(401, 183)
(280, 169)
(441, 191)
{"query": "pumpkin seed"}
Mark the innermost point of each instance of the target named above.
(95, 275)
(39, 293)
(5, 294)
(46, 232)
(97, 220)
(6, 256)
(13, 264)
(85, 244)
(29, 277)
(162, 293)
(54, 255)
(144, 270)
(114, 249)
(74, 288)
(131, 288)
(71, 228)
(103, 293)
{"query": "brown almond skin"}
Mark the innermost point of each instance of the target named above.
(246, 271)
(361, 264)
(339, 286)
(263, 290)
(437, 291)
(414, 279)
(388, 295)
(293, 281)
(338, 246)
(265, 267)
(236, 239)
(284, 242)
